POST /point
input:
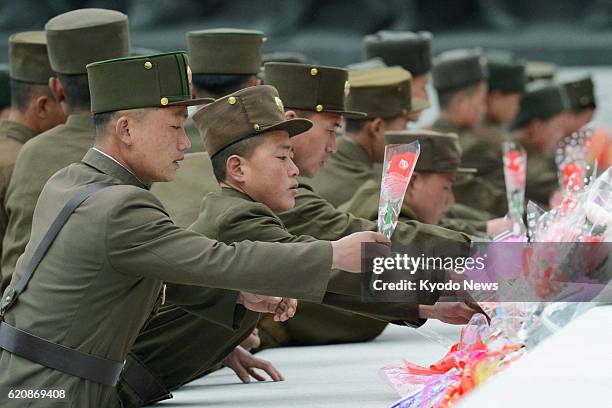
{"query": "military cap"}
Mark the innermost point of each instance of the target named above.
(141, 82)
(439, 152)
(28, 58)
(5, 86)
(224, 51)
(537, 70)
(310, 87)
(284, 56)
(380, 92)
(506, 73)
(246, 113)
(411, 51)
(580, 93)
(542, 100)
(456, 69)
(80, 37)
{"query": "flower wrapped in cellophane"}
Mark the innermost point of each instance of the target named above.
(515, 176)
(398, 166)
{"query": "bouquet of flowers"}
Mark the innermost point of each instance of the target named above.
(399, 163)
(515, 176)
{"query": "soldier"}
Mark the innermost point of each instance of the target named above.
(5, 91)
(111, 254)
(317, 93)
(581, 97)
(429, 193)
(383, 94)
(539, 127)
(34, 109)
(507, 81)
(222, 61)
(74, 39)
(411, 51)
(459, 77)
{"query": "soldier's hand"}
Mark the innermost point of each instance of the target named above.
(251, 342)
(259, 303)
(448, 312)
(244, 364)
(347, 250)
(498, 225)
(285, 310)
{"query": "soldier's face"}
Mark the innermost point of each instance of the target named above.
(429, 196)
(473, 106)
(314, 148)
(502, 107)
(548, 133)
(269, 175)
(418, 89)
(159, 143)
(575, 121)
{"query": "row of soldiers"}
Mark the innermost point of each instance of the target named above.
(105, 219)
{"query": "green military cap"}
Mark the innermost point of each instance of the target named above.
(439, 152)
(80, 37)
(224, 51)
(542, 100)
(5, 86)
(459, 68)
(537, 70)
(310, 87)
(580, 93)
(28, 57)
(506, 73)
(411, 51)
(380, 92)
(246, 113)
(284, 56)
(141, 82)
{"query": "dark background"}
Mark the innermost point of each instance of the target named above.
(567, 32)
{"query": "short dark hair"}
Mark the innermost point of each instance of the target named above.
(244, 148)
(101, 121)
(445, 96)
(22, 94)
(220, 85)
(76, 89)
(354, 125)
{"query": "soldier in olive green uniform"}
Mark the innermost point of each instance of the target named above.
(113, 252)
(581, 97)
(222, 61)
(429, 193)
(317, 93)
(411, 51)
(383, 94)
(459, 77)
(5, 91)
(34, 109)
(539, 127)
(74, 39)
(507, 81)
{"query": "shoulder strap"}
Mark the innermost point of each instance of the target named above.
(65, 213)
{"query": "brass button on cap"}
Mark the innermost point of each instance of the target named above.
(231, 100)
(319, 108)
(256, 126)
(148, 65)
(164, 101)
(314, 71)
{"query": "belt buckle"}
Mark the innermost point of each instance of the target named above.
(163, 295)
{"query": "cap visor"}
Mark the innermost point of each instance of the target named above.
(419, 105)
(192, 102)
(350, 114)
(466, 170)
(293, 126)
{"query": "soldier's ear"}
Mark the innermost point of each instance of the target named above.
(234, 168)
(122, 130)
(57, 89)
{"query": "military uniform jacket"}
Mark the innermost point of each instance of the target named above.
(542, 177)
(182, 196)
(99, 280)
(12, 137)
(347, 170)
(37, 161)
(364, 204)
(482, 150)
(473, 190)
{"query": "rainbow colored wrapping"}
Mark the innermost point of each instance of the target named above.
(397, 170)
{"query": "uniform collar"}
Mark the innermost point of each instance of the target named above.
(232, 192)
(353, 151)
(80, 121)
(16, 131)
(407, 212)
(108, 165)
(443, 125)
